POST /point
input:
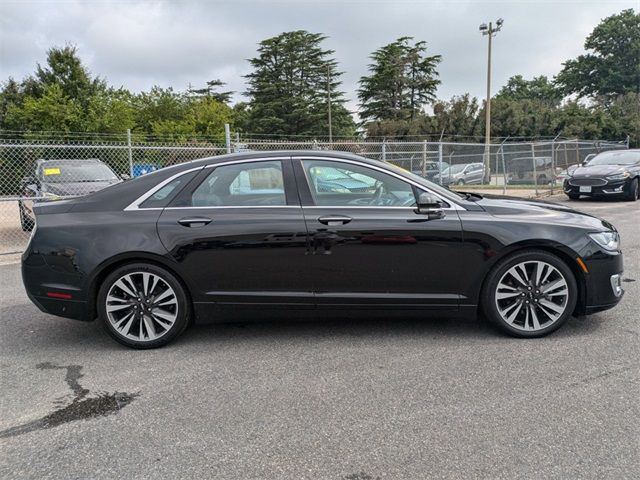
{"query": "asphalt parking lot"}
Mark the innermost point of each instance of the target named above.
(328, 399)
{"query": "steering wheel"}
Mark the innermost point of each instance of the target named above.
(377, 195)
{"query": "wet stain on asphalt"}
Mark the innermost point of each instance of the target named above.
(81, 407)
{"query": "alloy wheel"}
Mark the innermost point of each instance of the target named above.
(141, 306)
(531, 295)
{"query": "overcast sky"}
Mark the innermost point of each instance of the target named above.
(174, 43)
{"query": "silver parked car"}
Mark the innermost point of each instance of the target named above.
(462, 174)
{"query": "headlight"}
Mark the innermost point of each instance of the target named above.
(618, 176)
(610, 241)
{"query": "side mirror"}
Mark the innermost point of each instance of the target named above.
(429, 205)
(125, 176)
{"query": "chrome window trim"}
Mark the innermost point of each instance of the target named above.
(453, 205)
(135, 205)
(215, 207)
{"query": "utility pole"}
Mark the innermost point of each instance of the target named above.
(329, 100)
(489, 31)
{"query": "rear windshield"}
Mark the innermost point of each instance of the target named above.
(75, 171)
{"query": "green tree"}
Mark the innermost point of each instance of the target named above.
(110, 111)
(52, 111)
(210, 90)
(159, 106)
(621, 118)
(539, 88)
(613, 65)
(209, 115)
(65, 69)
(292, 78)
(458, 117)
(402, 80)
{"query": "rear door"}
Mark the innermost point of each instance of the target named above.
(368, 247)
(239, 233)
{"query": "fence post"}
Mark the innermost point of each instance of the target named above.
(384, 150)
(535, 167)
(440, 162)
(227, 137)
(504, 170)
(130, 152)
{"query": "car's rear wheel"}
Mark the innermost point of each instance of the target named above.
(632, 194)
(26, 222)
(460, 182)
(143, 305)
(530, 294)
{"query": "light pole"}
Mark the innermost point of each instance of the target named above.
(329, 101)
(490, 31)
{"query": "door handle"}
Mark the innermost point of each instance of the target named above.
(333, 220)
(194, 221)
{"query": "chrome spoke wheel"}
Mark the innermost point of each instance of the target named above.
(141, 306)
(532, 295)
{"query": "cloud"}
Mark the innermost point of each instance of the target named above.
(141, 44)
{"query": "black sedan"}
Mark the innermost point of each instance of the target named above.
(608, 174)
(256, 232)
(56, 179)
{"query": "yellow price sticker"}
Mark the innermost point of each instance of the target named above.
(52, 171)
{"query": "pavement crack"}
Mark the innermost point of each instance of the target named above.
(82, 406)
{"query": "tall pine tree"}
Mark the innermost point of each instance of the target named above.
(402, 79)
(292, 78)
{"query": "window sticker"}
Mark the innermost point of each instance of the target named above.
(52, 171)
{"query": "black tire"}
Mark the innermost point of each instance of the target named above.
(460, 182)
(542, 180)
(632, 194)
(490, 287)
(26, 222)
(573, 196)
(182, 305)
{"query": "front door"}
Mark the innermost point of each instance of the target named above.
(368, 246)
(240, 236)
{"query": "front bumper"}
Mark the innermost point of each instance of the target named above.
(603, 287)
(611, 188)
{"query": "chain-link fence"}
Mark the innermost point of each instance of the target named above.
(46, 168)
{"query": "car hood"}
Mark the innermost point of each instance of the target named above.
(597, 170)
(541, 211)
(76, 188)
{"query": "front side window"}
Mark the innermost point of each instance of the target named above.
(242, 185)
(344, 184)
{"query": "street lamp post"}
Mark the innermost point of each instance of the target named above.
(490, 31)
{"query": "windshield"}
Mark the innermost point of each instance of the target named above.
(445, 192)
(616, 158)
(75, 171)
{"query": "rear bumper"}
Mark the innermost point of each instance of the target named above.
(41, 280)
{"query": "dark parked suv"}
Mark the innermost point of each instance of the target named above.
(55, 179)
(608, 174)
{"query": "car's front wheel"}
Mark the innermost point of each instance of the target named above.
(530, 294)
(143, 305)
(573, 196)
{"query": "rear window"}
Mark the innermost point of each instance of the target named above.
(167, 193)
